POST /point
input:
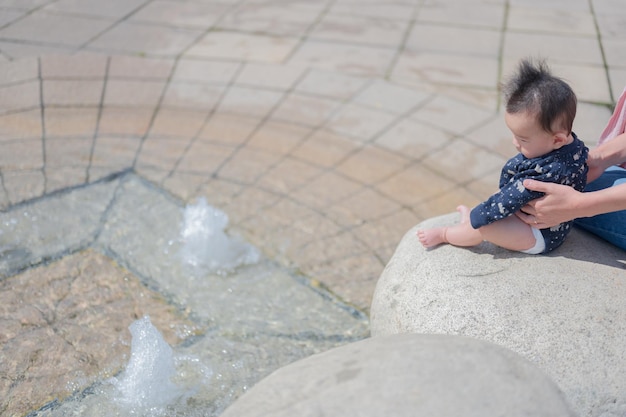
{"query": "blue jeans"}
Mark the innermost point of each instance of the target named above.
(610, 226)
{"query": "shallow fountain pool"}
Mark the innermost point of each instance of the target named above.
(248, 315)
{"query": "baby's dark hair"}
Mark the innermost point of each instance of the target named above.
(533, 88)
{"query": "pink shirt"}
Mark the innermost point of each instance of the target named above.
(617, 122)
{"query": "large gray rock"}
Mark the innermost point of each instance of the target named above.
(565, 312)
(406, 375)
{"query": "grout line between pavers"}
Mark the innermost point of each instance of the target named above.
(106, 212)
(43, 126)
(114, 24)
(98, 119)
(66, 190)
(4, 188)
(18, 111)
(155, 112)
(602, 51)
(210, 29)
(402, 46)
(206, 120)
(26, 14)
(305, 35)
(505, 25)
(67, 48)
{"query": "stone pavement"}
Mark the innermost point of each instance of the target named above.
(324, 128)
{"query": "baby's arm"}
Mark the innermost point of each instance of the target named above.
(511, 197)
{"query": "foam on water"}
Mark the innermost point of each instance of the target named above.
(157, 382)
(146, 383)
(205, 245)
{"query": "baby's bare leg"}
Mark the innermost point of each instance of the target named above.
(509, 233)
(462, 234)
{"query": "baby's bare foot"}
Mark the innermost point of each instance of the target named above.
(432, 237)
(465, 213)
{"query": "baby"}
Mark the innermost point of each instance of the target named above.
(540, 111)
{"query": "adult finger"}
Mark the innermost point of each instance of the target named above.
(526, 218)
(535, 185)
(529, 208)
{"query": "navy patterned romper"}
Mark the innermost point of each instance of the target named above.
(566, 165)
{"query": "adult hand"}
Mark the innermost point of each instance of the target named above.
(596, 165)
(558, 205)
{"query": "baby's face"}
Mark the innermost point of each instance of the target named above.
(528, 137)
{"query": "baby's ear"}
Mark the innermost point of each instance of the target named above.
(560, 138)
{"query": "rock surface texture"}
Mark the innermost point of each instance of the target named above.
(565, 312)
(406, 375)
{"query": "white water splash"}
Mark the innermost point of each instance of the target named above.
(145, 386)
(206, 247)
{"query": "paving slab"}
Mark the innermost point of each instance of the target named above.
(65, 327)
